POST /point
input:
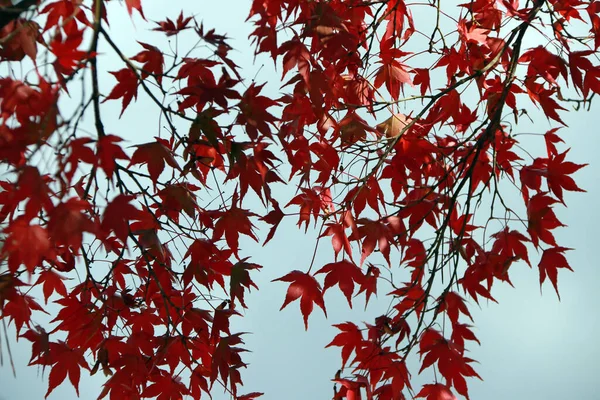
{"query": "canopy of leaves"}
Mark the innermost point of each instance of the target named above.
(393, 147)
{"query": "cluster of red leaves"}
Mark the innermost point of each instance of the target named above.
(146, 277)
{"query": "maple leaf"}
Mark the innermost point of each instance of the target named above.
(422, 78)
(250, 396)
(117, 215)
(555, 169)
(553, 259)
(226, 354)
(349, 340)
(240, 278)
(233, 222)
(460, 332)
(152, 59)
(550, 137)
(510, 244)
(350, 389)
(451, 364)
(66, 11)
(67, 361)
(392, 72)
(412, 297)
(176, 199)
(471, 283)
(295, 53)
(254, 115)
(394, 125)
(307, 288)
(352, 129)
(108, 152)
(543, 63)
(126, 87)
(79, 153)
(154, 155)
(394, 75)
(274, 218)
(18, 309)
(452, 304)
(19, 40)
(53, 282)
(166, 387)
(25, 244)
(373, 233)
(171, 28)
(542, 219)
(67, 222)
(134, 4)
(557, 175)
(436, 391)
(369, 285)
(310, 204)
(68, 55)
(339, 239)
(470, 33)
(40, 348)
(343, 273)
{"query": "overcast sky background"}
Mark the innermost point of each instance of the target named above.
(533, 346)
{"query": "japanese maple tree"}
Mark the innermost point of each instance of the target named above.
(396, 126)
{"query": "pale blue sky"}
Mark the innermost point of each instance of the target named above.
(533, 346)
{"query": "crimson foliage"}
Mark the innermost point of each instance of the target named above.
(397, 124)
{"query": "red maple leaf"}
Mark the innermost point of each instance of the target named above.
(117, 216)
(108, 152)
(343, 273)
(436, 391)
(172, 28)
(152, 59)
(373, 233)
(134, 4)
(67, 361)
(557, 174)
(369, 285)
(25, 244)
(460, 333)
(349, 340)
(240, 279)
(453, 304)
(339, 239)
(542, 219)
(553, 259)
(68, 222)
(176, 199)
(511, 244)
(18, 308)
(392, 72)
(126, 87)
(451, 364)
(53, 282)
(307, 288)
(274, 218)
(310, 204)
(154, 155)
(66, 11)
(250, 396)
(422, 79)
(19, 40)
(233, 222)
